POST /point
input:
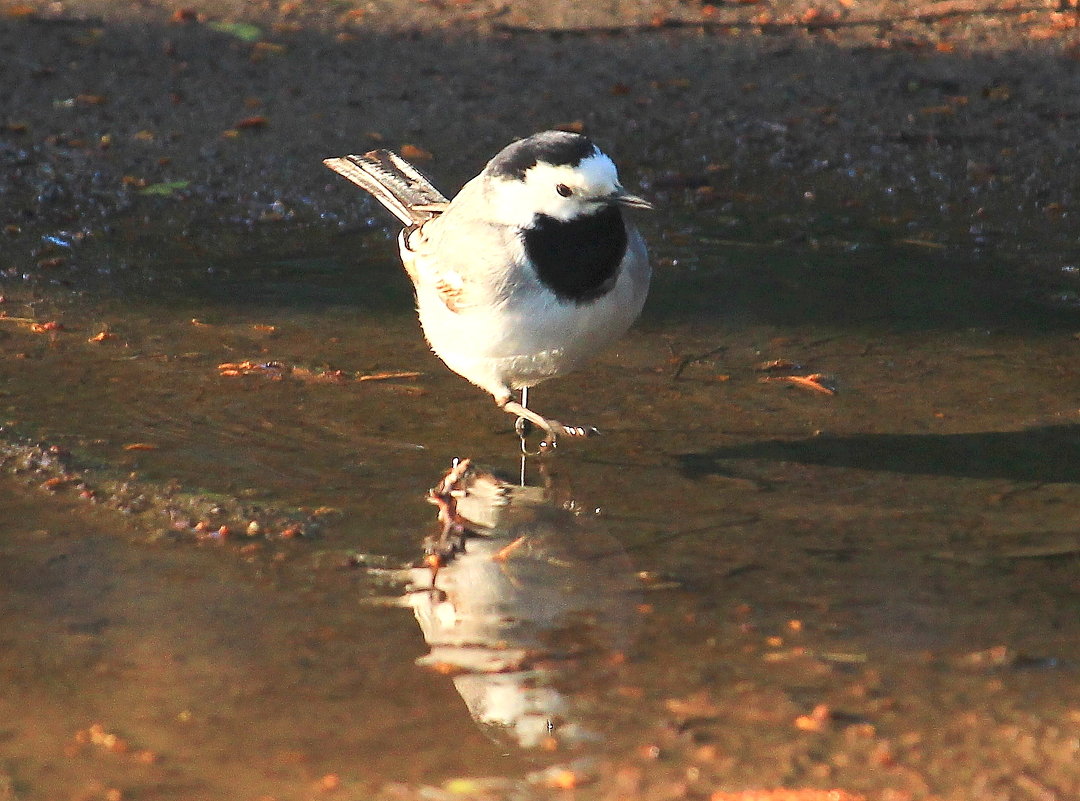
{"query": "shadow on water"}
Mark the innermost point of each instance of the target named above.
(359, 269)
(881, 288)
(1047, 454)
(895, 288)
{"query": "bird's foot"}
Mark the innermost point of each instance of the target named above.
(523, 428)
(527, 419)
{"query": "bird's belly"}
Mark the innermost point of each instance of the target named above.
(530, 342)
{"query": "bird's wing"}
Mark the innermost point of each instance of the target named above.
(467, 260)
(432, 272)
(394, 182)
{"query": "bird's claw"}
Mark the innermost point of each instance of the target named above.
(580, 431)
(523, 427)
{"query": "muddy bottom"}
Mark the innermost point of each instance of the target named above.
(839, 482)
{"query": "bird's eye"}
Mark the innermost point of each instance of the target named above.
(564, 190)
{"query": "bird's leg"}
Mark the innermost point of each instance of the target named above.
(554, 428)
(523, 426)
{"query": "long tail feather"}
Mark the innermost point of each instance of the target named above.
(393, 182)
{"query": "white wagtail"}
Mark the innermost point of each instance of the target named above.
(526, 274)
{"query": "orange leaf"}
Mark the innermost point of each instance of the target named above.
(564, 779)
(815, 382)
(252, 122)
(385, 376)
(414, 153)
(19, 10)
(261, 50)
(784, 794)
(574, 126)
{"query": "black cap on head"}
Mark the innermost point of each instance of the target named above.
(550, 147)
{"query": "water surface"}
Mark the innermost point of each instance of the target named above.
(873, 590)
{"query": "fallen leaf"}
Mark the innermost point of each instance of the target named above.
(184, 15)
(699, 705)
(352, 15)
(248, 123)
(923, 243)
(414, 153)
(785, 794)
(19, 10)
(999, 92)
(996, 656)
(815, 382)
(328, 783)
(1051, 550)
(244, 31)
(163, 189)
(263, 49)
(776, 364)
(565, 779)
(386, 376)
(246, 367)
(815, 721)
(816, 17)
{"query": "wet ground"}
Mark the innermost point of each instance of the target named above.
(220, 421)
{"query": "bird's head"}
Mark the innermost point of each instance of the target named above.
(554, 174)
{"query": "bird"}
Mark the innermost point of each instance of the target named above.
(528, 273)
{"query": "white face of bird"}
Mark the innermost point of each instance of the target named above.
(561, 191)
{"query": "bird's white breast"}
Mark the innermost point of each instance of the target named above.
(528, 335)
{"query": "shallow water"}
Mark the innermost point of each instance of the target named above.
(874, 590)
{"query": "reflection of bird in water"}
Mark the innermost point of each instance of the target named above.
(517, 592)
(528, 273)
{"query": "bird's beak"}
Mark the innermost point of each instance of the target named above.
(624, 198)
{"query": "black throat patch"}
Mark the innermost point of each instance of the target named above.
(579, 259)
